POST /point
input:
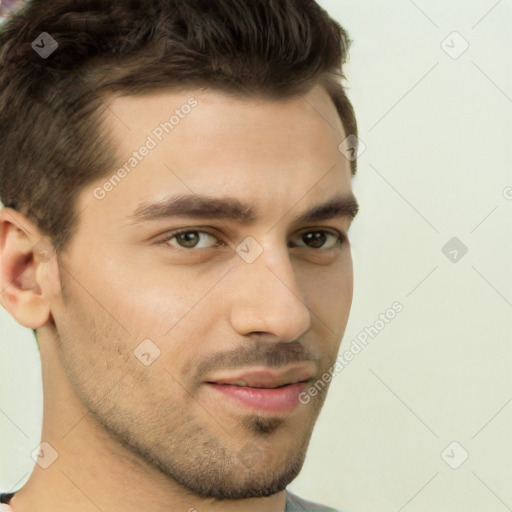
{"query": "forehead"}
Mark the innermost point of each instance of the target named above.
(208, 143)
(209, 120)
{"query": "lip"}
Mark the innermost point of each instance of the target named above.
(273, 400)
(263, 389)
(264, 378)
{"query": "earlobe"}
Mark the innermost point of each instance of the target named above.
(20, 263)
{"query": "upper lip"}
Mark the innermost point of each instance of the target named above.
(263, 378)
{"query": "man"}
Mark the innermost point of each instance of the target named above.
(175, 232)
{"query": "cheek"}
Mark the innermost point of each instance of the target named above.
(329, 291)
(98, 353)
(124, 305)
(142, 301)
(332, 284)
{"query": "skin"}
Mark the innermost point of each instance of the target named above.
(133, 437)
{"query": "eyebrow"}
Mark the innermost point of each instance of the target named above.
(205, 207)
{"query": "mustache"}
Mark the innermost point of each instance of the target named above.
(271, 355)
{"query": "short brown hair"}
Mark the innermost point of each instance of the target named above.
(51, 141)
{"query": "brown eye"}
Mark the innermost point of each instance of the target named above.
(197, 239)
(322, 239)
(189, 239)
(316, 238)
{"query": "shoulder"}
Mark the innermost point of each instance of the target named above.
(296, 504)
(5, 497)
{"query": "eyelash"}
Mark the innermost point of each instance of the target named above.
(341, 239)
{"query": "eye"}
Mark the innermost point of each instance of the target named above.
(197, 239)
(190, 239)
(322, 239)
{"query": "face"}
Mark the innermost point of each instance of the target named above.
(206, 287)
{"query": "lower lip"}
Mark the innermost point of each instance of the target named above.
(278, 400)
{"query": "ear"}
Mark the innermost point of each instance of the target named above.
(24, 251)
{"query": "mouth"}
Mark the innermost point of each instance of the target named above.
(263, 390)
(243, 384)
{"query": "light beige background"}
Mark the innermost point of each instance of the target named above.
(437, 132)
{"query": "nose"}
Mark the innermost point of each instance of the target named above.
(266, 297)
